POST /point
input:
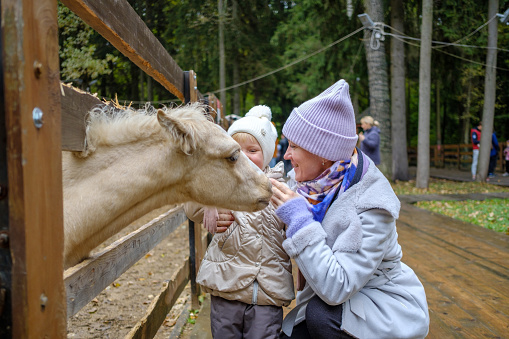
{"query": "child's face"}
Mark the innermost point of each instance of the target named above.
(253, 151)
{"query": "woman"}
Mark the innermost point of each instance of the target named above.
(342, 232)
(370, 138)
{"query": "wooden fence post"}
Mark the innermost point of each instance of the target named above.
(34, 167)
(5, 255)
(191, 95)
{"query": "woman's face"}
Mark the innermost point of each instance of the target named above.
(365, 126)
(307, 166)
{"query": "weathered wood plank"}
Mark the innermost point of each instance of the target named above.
(476, 291)
(5, 254)
(464, 281)
(31, 74)
(475, 273)
(75, 107)
(148, 326)
(482, 243)
(86, 280)
(118, 23)
(446, 318)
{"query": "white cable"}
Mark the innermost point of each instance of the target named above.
(291, 63)
(477, 30)
(455, 56)
(446, 44)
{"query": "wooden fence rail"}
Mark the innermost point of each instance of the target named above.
(86, 280)
(455, 155)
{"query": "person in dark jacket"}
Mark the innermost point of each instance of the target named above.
(495, 148)
(283, 146)
(370, 138)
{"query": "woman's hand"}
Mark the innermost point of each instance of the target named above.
(217, 220)
(361, 137)
(224, 221)
(281, 193)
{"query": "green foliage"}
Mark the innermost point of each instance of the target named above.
(266, 35)
(193, 314)
(77, 52)
(492, 214)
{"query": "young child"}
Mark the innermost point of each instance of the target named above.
(506, 156)
(245, 269)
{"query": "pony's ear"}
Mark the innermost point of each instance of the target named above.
(181, 133)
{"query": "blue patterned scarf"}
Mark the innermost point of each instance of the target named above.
(321, 191)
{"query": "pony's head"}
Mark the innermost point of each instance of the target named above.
(215, 171)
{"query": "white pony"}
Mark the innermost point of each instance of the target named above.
(139, 160)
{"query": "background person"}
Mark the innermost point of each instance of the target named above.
(475, 135)
(245, 269)
(342, 232)
(370, 138)
(283, 146)
(495, 148)
(506, 157)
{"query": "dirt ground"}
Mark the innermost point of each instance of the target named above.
(116, 310)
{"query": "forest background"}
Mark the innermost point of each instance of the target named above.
(310, 44)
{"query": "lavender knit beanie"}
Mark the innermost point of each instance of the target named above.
(325, 125)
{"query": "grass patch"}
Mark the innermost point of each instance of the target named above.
(491, 213)
(440, 186)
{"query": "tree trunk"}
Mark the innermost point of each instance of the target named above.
(150, 90)
(439, 112)
(236, 77)
(349, 8)
(141, 79)
(379, 102)
(422, 179)
(222, 69)
(488, 111)
(438, 86)
(466, 116)
(398, 121)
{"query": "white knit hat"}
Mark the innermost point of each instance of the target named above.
(257, 123)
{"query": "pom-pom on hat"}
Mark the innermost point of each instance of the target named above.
(257, 123)
(325, 125)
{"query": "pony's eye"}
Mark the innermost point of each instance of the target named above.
(234, 157)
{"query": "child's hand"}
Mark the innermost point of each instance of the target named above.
(224, 220)
(281, 193)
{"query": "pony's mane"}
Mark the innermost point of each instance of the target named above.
(108, 125)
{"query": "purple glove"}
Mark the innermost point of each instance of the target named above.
(295, 214)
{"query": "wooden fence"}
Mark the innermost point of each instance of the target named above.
(36, 295)
(457, 156)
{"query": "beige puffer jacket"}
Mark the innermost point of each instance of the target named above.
(247, 262)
